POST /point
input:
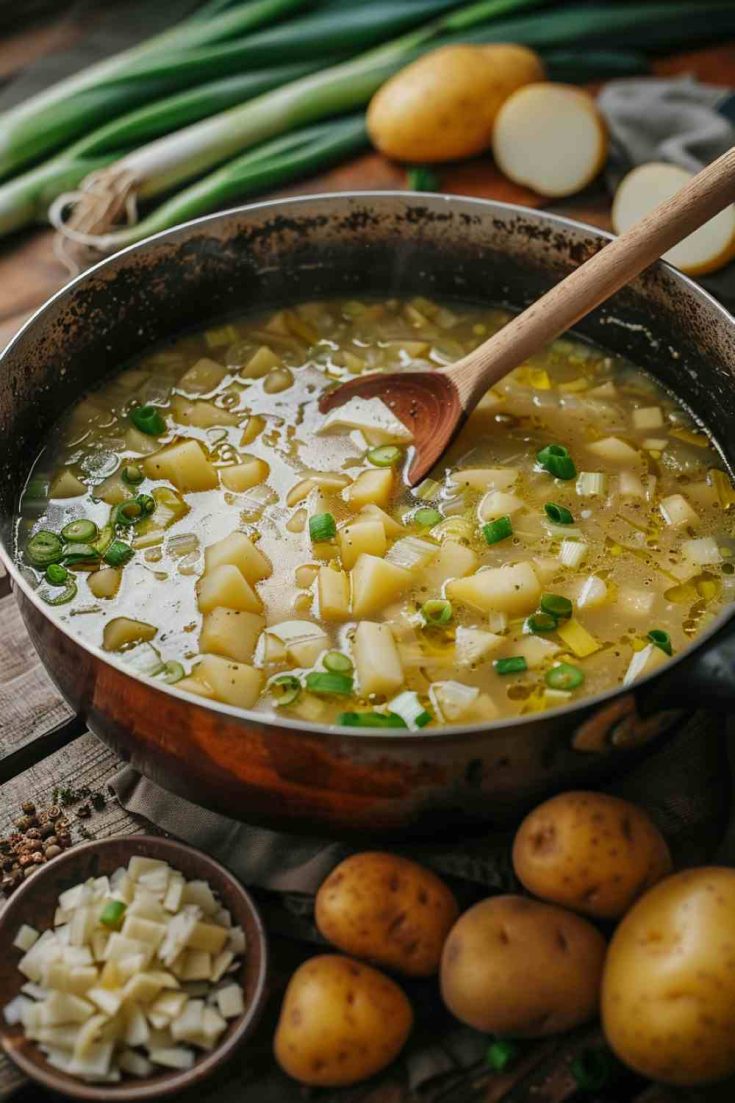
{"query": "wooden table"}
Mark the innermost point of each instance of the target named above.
(43, 745)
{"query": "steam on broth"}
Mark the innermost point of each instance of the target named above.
(196, 518)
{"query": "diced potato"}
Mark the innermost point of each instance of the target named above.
(378, 423)
(453, 701)
(232, 683)
(473, 645)
(124, 632)
(200, 413)
(194, 965)
(375, 513)
(135, 1064)
(615, 451)
(512, 589)
(453, 561)
(644, 662)
(536, 650)
(232, 633)
(142, 443)
(230, 1001)
(377, 661)
(371, 488)
(200, 894)
(648, 417)
(238, 550)
(677, 512)
(112, 490)
(202, 377)
(593, 593)
(65, 484)
(105, 583)
(106, 1000)
(375, 583)
(184, 464)
(361, 537)
(576, 637)
(254, 426)
(195, 686)
(242, 476)
(497, 503)
(303, 640)
(260, 363)
(208, 937)
(226, 586)
(634, 602)
(172, 1057)
(485, 478)
(26, 937)
(334, 594)
(145, 930)
(62, 1007)
(704, 551)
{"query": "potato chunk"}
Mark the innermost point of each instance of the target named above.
(105, 583)
(184, 464)
(359, 537)
(242, 476)
(200, 413)
(121, 631)
(377, 661)
(226, 586)
(238, 550)
(375, 583)
(66, 485)
(512, 589)
(334, 594)
(232, 633)
(371, 488)
(203, 376)
(453, 561)
(232, 683)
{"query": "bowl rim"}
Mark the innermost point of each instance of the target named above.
(173, 1081)
(364, 735)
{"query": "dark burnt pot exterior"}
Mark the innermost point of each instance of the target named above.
(333, 781)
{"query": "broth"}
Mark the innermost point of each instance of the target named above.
(516, 579)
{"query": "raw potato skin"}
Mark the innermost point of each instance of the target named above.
(443, 106)
(668, 990)
(514, 966)
(590, 852)
(388, 910)
(341, 1022)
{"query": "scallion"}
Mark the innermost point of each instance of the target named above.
(171, 672)
(499, 529)
(385, 455)
(371, 720)
(501, 1053)
(422, 178)
(556, 606)
(555, 459)
(408, 706)
(322, 527)
(112, 914)
(329, 684)
(67, 594)
(118, 553)
(515, 664)
(133, 510)
(558, 514)
(56, 575)
(80, 532)
(437, 611)
(285, 688)
(338, 663)
(80, 553)
(427, 517)
(44, 547)
(148, 420)
(131, 474)
(661, 639)
(564, 676)
(540, 623)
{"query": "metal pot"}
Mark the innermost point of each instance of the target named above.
(323, 779)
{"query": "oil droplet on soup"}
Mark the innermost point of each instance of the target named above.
(190, 517)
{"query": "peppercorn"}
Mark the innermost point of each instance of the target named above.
(28, 807)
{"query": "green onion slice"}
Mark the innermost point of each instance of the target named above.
(427, 517)
(56, 575)
(516, 664)
(497, 530)
(285, 689)
(564, 676)
(329, 683)
(132, 510)
(338, 663)
(437, 611)
(501, 1054)
(118, 553)
(408, 706)
(421, 178)
(80, 532)
(112, 914)
(556, 606)
(132, 474)
(555, 459)
(148, 420)
(661, 639)
(67, 594)
(80, 553)
(560, 515)
(385, 455)
(171, 672)
(322, 526)
(371, 720)
(44, 547)
(539, 623)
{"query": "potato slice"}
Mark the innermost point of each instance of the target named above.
(232, 633)
(225, 586)
(233, 683)
(334, 594)
(550, 137)
(122, 632)
(708, 248)
(378, 663)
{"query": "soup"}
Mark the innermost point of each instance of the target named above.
(199, 519)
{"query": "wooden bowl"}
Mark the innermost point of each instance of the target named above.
(34, 903)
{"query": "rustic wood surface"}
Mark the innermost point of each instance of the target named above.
(44, 747)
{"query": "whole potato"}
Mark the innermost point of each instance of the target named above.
(590, 852)
(387, 909)
(514, 966)
(443, 105)
(341, 1022)
(668, 989)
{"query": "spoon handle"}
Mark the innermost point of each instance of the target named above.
(597, 279)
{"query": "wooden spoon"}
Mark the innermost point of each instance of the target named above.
(434, 404)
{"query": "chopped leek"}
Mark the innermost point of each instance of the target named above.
(322, 527)
(437, 612)
(371, 720)
(338, 663)
(497, 530)
(330, 684)
(572, 553)
(555, 605)
(408, 706)
(661, 639)
(560, 515)
(515, 664)
(564, 676)
(591, 484)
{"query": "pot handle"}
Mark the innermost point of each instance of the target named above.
(704, 679)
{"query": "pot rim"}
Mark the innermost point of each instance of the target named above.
(394, 735)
